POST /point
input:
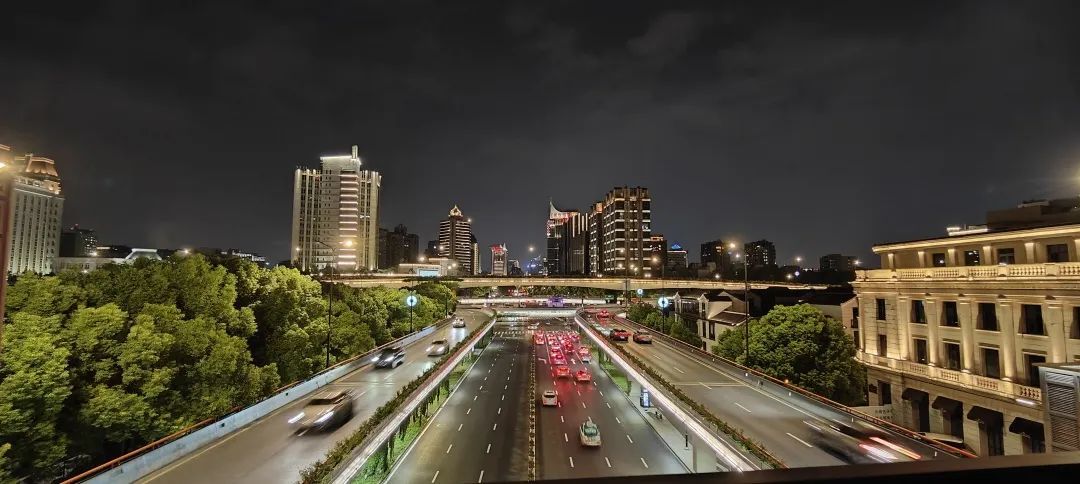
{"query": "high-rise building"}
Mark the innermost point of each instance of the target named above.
(837, 262)
(475, 254)
(760, 253)
(7, 162)
(36, 210)
(335, 215)
(383, 256)
(656, 254)
(567, 241)
(716, 257)
(623, 231)
(456, 240)
(954, 328)
(498, 260)
(432, 249)
(676, 258)
(595, 221)
(77, 242)
(398, 247)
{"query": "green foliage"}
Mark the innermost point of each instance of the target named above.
(5, 464)
(103, 362)
(802, 345)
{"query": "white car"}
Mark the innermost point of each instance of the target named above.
(459, 323)
(549, 398)
(585, 357)
(590, 434)
(438, 348)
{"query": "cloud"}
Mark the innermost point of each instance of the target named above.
(669, 35)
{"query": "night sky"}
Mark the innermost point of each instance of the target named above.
(823, 126)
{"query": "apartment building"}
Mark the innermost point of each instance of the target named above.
(953, 329)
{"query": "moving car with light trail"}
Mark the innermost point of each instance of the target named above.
(389, 358)
(328, 409)
(582, 376)
(438, 347)
(857, 445)
(562, 372)
(620, 334)
(589, 433)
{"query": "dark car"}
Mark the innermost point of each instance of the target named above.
(857, 445)
(327, 410)
(642, 337)
(389, 358)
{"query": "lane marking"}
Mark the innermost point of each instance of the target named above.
(565, 437)
(608, 462)
(488, 451)
(643, 462)
(803, 442)
(678, 370)
(482, 387)
(608, 404)
(493, 427)
(436, 477)
(481, 479)
(448, 448)
(503, 397)
(742, 407)
(617, 420)
(474, 397)
(561, 419)
(571, 462)
(459, 427)
(628, 438)
(601, 392)
(500, 411)
(468, 411)
(583, 405)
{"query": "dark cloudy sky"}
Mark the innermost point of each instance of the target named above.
(823, 126)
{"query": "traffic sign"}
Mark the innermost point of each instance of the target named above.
(411, 300)
(663, 302)
(640, 291)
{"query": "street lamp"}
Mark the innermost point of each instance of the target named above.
(330, 294)
(746, 298)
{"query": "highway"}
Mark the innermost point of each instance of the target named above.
(268, 450)
(630, 446)
(481, 434)
(776, 422)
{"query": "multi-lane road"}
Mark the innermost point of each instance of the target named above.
(481, 434)
(269, 450)
(778, 423)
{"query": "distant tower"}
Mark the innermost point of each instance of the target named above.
(456, 240)
(335, 212)
(498, 260)
(36, 209)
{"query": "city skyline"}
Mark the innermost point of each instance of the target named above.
(893, 82)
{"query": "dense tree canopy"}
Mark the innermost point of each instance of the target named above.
(802, 345)
(98, 363)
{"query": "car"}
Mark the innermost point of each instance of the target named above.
(589, 433)
(459, 323)
(857, 445)
(438, 347)
(538, 340)
(569, 346)
(562, 372)
(328, 409)
(620, 334)
(391, 357)
(585, 357)
(642, 337)
(582, 376)
(558, 359)
(549, 398)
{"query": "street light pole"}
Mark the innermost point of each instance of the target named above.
(330, 295)
(746, 295)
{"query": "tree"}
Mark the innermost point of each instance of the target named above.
(804, 346)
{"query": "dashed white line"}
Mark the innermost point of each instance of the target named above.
(448, 448)
(493, 427)
(571, 462)
(468, 411)
(481, 479)
(474, 397)
(608, 404)
(601, 392)
(645, 463)
(561, 419)
(583, 405)
(678, 370)
(488, 451)
(617, 420)
(607, 461)
(742, 407)
(503, 397)
(436, 477)
(565, 437)
(628, 438)
(459, 427)
(803, 442)
(500, 411)
(482, 387)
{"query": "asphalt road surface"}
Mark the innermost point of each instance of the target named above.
(629, 445)
(269, 450)
(776, 422)
(481, 434)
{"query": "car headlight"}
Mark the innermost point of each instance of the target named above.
(388, 358)
(326, 416)
(296, 418)
(375, 359)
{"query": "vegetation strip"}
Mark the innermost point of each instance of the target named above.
(320, 471)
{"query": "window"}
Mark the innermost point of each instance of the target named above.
(938, 259)
(885, 392)
(882, 345)
(991, 363)
(995, 440)
(952, 356)
(920, 351)
(949, 315)
(858, 340)
(1006, 256)
(880, 306)
(1031, 321)
(1030, 362)
(1074, 332)
(918, 311)
(1057, 253)
(971, 257)
(988, 316)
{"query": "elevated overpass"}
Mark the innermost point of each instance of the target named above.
(605, 282)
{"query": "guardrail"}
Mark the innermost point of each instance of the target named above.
(795, 390)
(346, 472)
(700, 429)
(157, 454)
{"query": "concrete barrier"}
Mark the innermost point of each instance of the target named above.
(139, 464)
